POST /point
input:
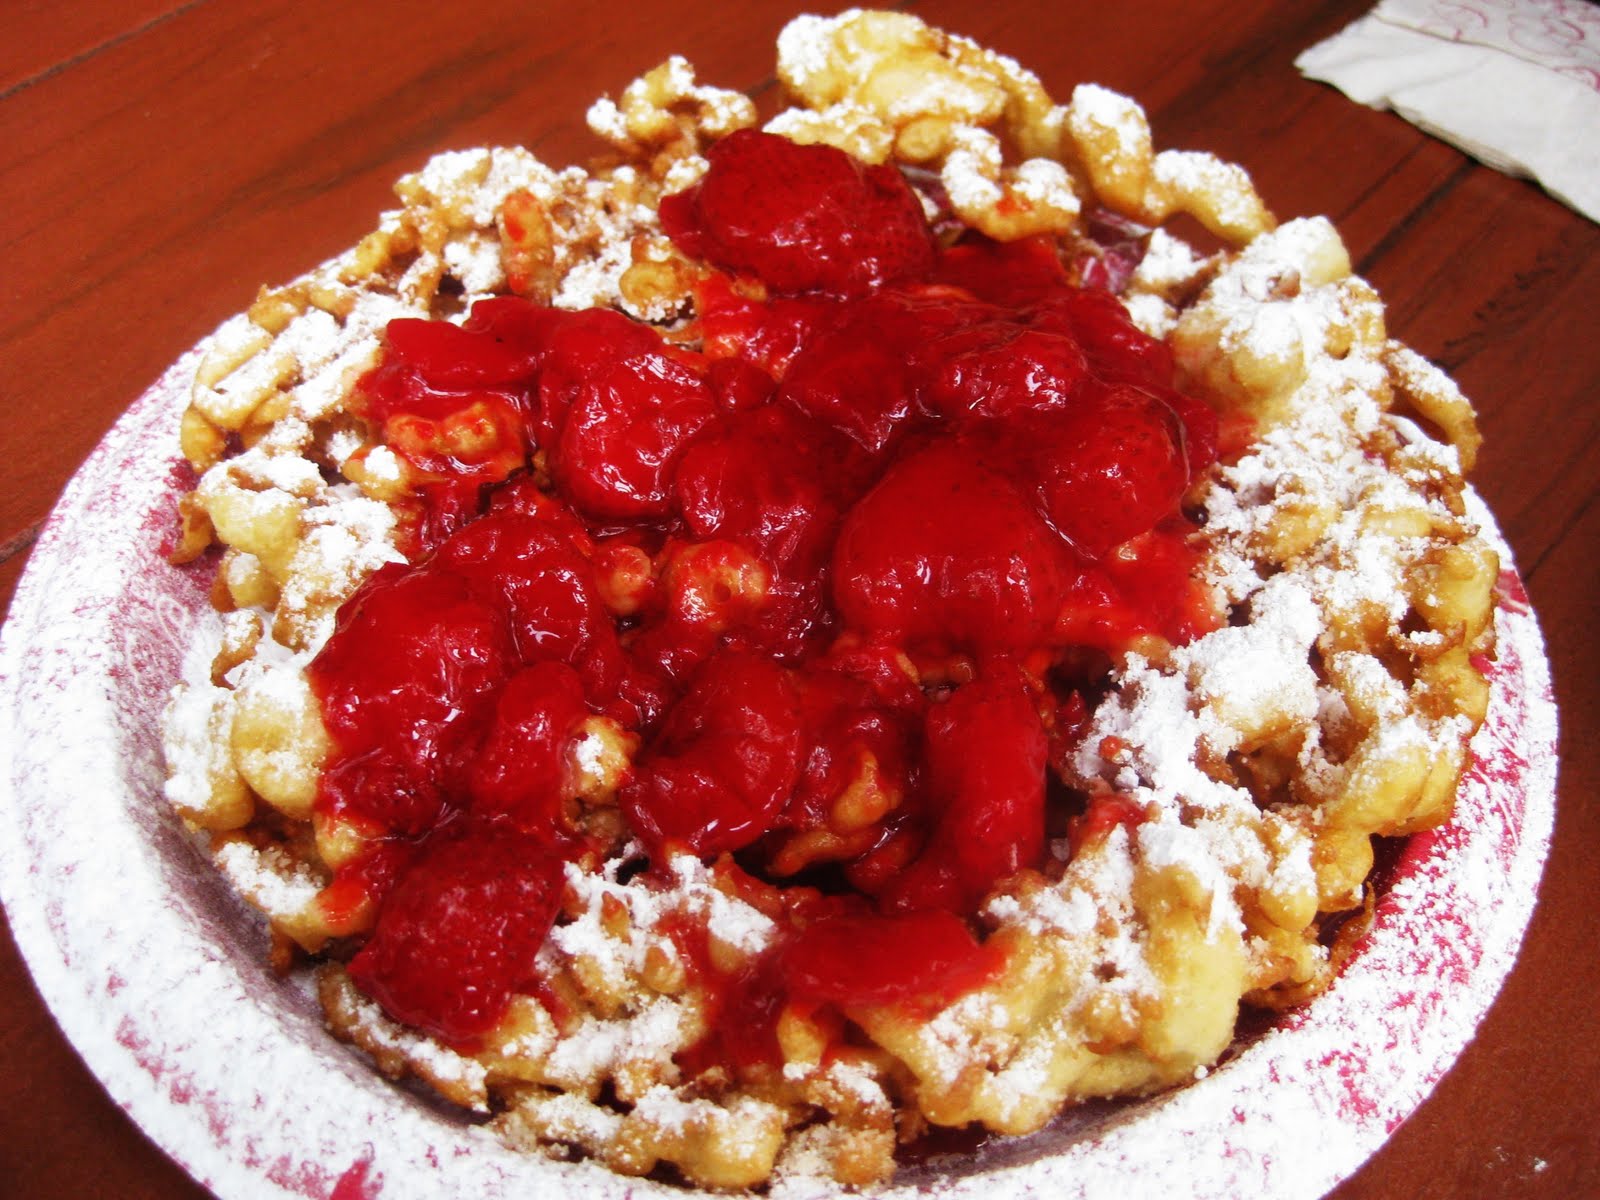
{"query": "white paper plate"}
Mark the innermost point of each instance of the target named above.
(157, 974)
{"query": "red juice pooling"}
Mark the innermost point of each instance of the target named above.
(834, 576)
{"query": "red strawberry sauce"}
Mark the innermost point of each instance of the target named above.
(868, 528)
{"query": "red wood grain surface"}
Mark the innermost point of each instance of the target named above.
(162, 159)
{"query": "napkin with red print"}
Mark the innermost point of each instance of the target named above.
(1514, 83)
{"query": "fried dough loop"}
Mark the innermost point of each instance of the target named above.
(882, 85)
(1260, 759)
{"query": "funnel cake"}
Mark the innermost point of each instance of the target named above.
(793, 637)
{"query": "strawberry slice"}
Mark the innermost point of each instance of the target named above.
(626, 429)
(521, 772)
(458, 932)
(948, 554)
(985, 754)
(1118, 350)
(727, 759)
(417, 652)
(1102, 470)
(1000, 367)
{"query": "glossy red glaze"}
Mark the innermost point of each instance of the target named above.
(920, 960)
(841, 568)
(745, 1009)
(848, 718)
(1005, 273)
(1103, 815)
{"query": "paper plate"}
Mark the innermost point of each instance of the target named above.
(157, 973)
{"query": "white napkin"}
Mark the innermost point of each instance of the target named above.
(1514, 83)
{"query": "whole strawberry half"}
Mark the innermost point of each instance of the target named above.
(801, 218)
(459, 932)
(1104, 469)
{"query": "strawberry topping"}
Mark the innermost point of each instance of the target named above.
(842, 559)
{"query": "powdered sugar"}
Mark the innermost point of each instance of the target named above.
(1170, 846)
(803, 47)
(971, 170)
(196, 751)
(1195, 173)
(1150, 715)
(269, 879)
(691, 892)
(1042, 181)
(1096, 112)
(596, 1047)
(1169, 264)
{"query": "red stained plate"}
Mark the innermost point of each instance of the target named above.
(157, 973)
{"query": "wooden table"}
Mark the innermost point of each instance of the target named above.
(162, 157)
